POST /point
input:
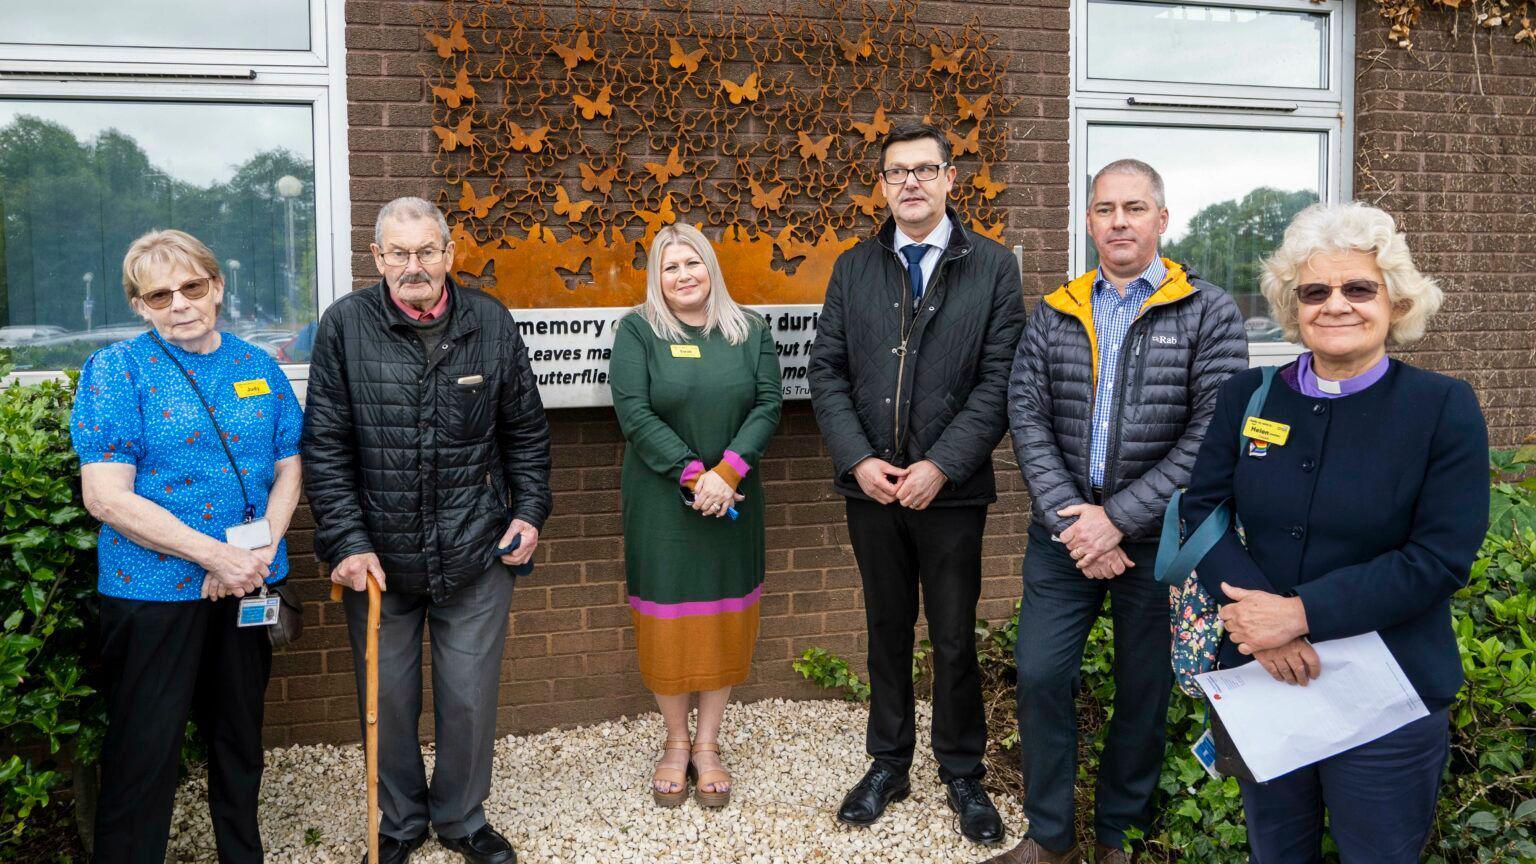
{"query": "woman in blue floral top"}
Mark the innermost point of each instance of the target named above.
(190, 526)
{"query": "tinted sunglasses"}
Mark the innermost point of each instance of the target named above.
(193, 289)
(1355, 291)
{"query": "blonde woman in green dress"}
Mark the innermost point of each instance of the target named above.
(695, 382)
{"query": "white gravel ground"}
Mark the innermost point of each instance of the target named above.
(581, 797)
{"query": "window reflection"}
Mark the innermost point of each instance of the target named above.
(80, 180)
(1230, 194)
(274, 25)
(1191, 44)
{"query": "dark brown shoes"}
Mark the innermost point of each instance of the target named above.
(1030, 852)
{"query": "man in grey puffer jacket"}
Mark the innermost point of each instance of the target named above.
(1113, 385)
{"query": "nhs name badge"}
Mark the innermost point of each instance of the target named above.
(1205, 754)
(690, 352)
(258, 611)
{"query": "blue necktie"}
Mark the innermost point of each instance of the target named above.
(914, 255)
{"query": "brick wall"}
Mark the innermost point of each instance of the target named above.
(570, 653)
(1458, 163)
(1446, 141)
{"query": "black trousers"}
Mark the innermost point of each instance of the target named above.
(938, 550)
(1059, 607)
(161, 663)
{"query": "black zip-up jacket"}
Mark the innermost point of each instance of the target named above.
(907, 384)
(1186, 341)
(412, 457)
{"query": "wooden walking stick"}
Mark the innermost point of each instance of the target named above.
(370, 713)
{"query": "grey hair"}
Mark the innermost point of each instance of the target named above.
(720, 311)
(1138, 168)
(1351, 227)
(409, 209)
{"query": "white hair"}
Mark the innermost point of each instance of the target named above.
(720, 311)
(409, 209)
(1352, 227)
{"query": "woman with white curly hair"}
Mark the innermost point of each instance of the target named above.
(1363, 503)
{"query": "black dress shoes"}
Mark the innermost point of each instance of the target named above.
(392, 851)
(866, 801)
(979, 821)
(485, 846)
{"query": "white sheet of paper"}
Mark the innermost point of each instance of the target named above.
(1361, 695)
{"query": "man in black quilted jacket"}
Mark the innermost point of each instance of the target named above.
(1112, 388)
(908, 377)
(426, 454)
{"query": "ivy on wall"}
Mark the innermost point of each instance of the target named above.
(1488, 14)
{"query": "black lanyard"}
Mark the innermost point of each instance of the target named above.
(250, 511)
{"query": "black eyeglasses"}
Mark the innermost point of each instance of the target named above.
(923, 173)
(1355, 291)
(402, 257)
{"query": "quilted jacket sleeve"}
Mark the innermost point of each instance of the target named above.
(329, 448)
(522, 434)
(1030, 413)
(831, 387)
(968, 440)
(1220, 353)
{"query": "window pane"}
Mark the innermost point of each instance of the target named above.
(1187, 44)
(1230, 193)
(274, 25)
(80, 180)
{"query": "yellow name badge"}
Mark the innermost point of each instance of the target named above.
(253, 387)
(1267, 431)
(690, 351)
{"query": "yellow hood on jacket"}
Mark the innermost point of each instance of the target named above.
(1076, 300)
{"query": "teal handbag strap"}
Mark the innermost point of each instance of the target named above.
(1175, 561)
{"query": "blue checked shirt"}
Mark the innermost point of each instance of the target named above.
(1112, 317)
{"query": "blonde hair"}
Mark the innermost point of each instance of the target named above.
(166, 248)
(720, 311)
(1352, 227)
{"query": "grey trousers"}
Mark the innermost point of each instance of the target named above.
(469, 631)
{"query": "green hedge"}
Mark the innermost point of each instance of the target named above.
(49, 717)
(1487, 809)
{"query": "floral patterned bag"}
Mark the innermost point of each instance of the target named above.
(1192, 619)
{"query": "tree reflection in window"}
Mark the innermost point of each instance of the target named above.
(72, 200)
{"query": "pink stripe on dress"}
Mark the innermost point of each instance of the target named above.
(696, 607)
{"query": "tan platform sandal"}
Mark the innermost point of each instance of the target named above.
(712, 776)
(672, 775)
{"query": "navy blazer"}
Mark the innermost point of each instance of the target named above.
(1372, 512)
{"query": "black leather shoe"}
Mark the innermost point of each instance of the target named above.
(979, 821)
(485, 846)
(866, 801)
(392, 851)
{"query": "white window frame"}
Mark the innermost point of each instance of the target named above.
(60, 73)
(88, 56)
(1329, 110)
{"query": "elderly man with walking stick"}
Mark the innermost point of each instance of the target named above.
(427, 468)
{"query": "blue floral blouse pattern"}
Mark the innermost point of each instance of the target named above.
(134, 406)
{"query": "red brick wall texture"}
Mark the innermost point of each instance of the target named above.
(1445, 139)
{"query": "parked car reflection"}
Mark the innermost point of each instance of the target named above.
(45, 346)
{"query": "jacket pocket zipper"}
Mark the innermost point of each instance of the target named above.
(1141, 370)
(901, 368)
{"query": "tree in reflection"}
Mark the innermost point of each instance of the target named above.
(1226, 241)
(70, 207)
